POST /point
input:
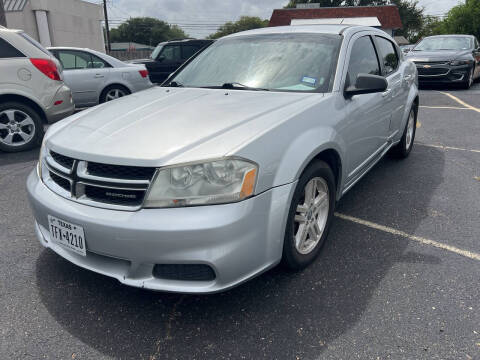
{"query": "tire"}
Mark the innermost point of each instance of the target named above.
(469, 82)
(109, 92)
(404, 147)
(21, 127)
(299, 254)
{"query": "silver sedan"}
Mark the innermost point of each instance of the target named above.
(96, 78)
(233, 166)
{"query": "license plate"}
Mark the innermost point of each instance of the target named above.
(67, 235)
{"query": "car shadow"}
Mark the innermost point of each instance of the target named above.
(19, 157)
(279, 314)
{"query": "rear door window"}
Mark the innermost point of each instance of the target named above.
(8, 51)
(388, 54)
(189, 50)
(171, 53)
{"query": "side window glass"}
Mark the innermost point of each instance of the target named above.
(171, 53)
(388, 55)
(74, 60)
(97, 63)
(188, 51)
(67, 60)
(8, 51)
(363, 60)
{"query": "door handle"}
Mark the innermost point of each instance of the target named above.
(98, 76)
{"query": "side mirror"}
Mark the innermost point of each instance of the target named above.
(161, 58)
(367, 84)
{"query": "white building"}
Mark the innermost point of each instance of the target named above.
(58, 22)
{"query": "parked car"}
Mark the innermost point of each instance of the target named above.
(169, 56)
(96, 78)
(234, 165)
(406, 48)
(32, 92)
(447, 59)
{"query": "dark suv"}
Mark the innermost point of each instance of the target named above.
(169, 56)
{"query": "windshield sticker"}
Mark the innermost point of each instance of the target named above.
(309, 80)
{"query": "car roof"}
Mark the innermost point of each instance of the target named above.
(450, 35)
(338, 29)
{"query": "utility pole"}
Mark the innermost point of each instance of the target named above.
(107, 29)
(3, 20)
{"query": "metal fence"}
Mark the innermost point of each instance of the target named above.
(130, 54)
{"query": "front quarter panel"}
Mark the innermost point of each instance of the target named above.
(284, 151)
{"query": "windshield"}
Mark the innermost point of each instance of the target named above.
(444, 43)
(155, 52)
(283, 62)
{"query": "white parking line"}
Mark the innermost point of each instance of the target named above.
(422, 240)
(444, 107)
(447, 147)
(461, 102)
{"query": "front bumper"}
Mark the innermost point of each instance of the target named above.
(238, 241)
(443, 74)
(66, 108)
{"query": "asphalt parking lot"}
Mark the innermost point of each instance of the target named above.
(398, 279)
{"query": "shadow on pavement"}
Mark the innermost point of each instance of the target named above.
(277, 315)
(18, 158)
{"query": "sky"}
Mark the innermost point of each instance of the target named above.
(199, 18)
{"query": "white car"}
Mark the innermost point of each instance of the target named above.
(32, 91)
(96, 78)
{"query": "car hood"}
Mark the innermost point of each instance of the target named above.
(163, 126)
(427, 56)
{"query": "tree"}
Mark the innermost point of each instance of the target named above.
(146, 30)
(412, 18)
(462, 19)
(245, 23)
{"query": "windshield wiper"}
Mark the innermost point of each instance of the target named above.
(237, 85)
(175, 84)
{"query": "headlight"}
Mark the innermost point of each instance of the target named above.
(460, 62)
(213, 182)
(41, 157)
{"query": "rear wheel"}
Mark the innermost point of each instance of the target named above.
(113, 92)
(310, 215)
(21, 127)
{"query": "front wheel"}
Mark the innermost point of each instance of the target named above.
(310, 215)
(469, 80)
(404, 147)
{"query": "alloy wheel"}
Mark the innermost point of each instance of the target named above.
(410, 131)
(311, 215)
(17, 128)
(114, 94)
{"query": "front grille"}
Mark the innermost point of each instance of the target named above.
(120, 172)
(184, 272)
(102, 185)
(64, 161)
(60, 181)
(431, 63)
(432, 71)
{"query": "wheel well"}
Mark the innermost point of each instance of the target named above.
(27, 101)
(332, 158)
